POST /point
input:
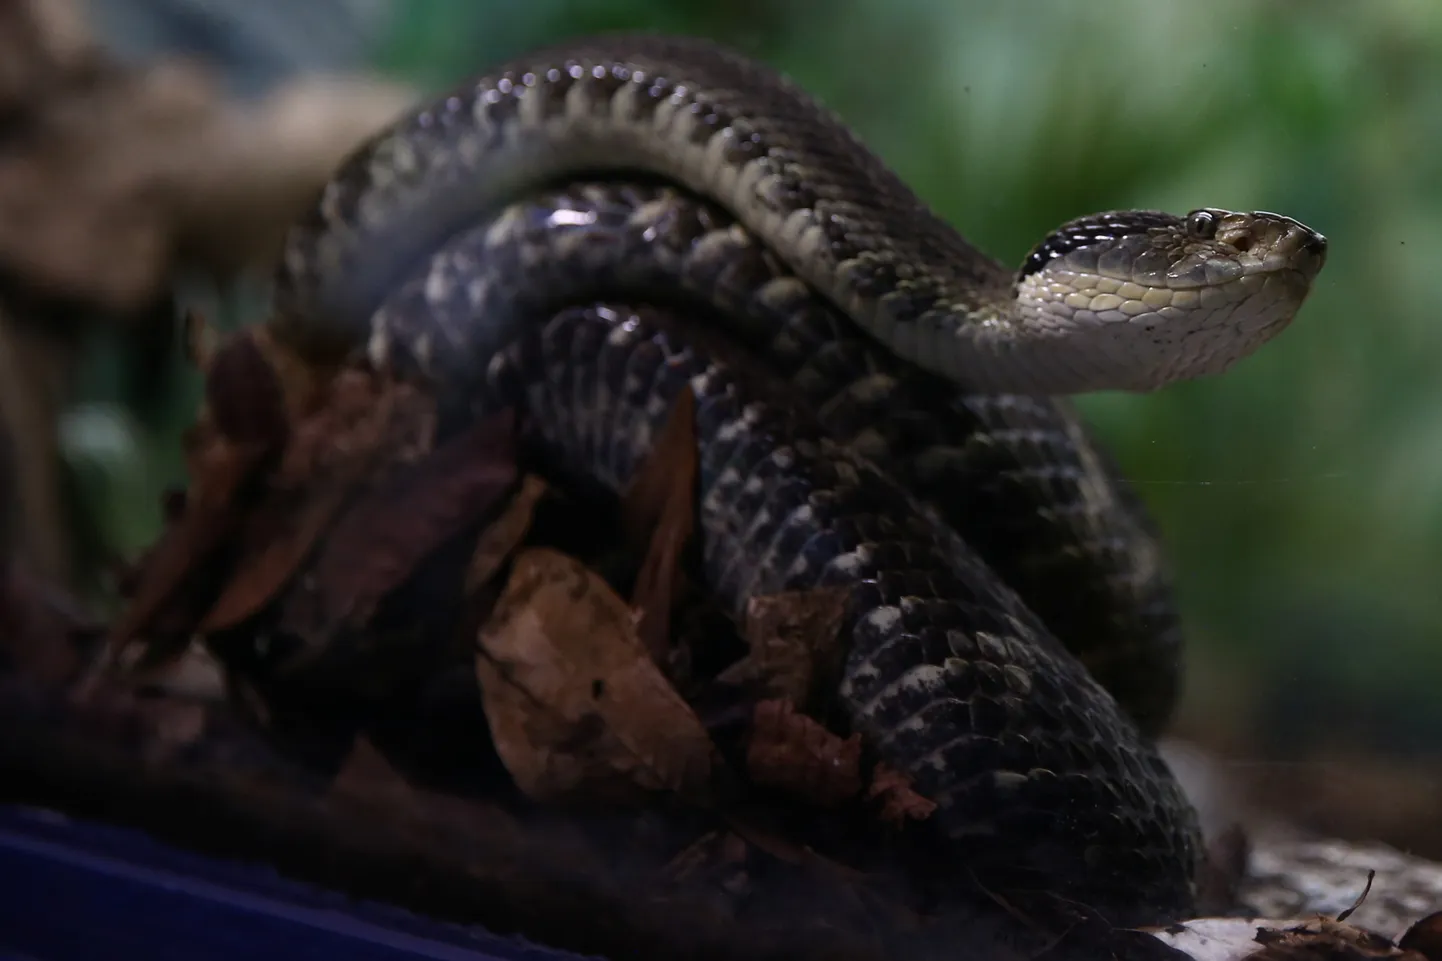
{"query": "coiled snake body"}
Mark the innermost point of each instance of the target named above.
(877, 412)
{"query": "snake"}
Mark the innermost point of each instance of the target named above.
(592, 229)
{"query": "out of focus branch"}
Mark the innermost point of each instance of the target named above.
(113, 178)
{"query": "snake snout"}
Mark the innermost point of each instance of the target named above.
(1266, 243)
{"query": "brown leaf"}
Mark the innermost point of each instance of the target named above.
(243, 393)
(899, 803)
(1424, 937)
(218, 469)
(644, 501)
(659, 509)
(242, 425)
(503, 535)
(378, 542)
(795, 754)
(355, 422)
(795, 644)
(575, 703)
(332, 451)
(1323, 939)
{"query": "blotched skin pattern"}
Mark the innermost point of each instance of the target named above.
(1039, 778)
(1043, 782)
(1019, 477)
(1120, 301)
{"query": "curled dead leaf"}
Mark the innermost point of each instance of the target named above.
(899, 802)
(218, 470)
(506, 533)
(659, 510)
(576, 706)
(1424, 937)
(330, 453)
(381, 538)
(1323, 939)
(795, 644)
(243, 393)
(795, 754)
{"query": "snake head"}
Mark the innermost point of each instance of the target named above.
(1146, 298)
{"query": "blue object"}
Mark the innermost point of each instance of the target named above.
(76, 891)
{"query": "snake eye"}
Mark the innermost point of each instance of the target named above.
(1202, 224)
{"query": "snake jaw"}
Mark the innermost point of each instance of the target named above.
(1169, 299)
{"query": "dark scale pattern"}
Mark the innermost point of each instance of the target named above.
(411, 187)
(1039, 778)
(1018, 477)
(1085, 231)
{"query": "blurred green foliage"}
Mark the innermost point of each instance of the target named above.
(1300, 494)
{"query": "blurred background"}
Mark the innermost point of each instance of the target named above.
(1300, 494)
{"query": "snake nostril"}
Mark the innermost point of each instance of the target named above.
(1315, 243)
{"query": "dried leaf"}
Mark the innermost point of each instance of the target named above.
(644, 502)
(506, 533)
(355, 423)
(1323, 939)
(795, 644)
(1217, 939)
(379, 541)
(243, 393)
(331, 453)
(218, 469)
(662, 501)
(899, 803)
(1424, 937)
(795, 754)
(575, 703)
